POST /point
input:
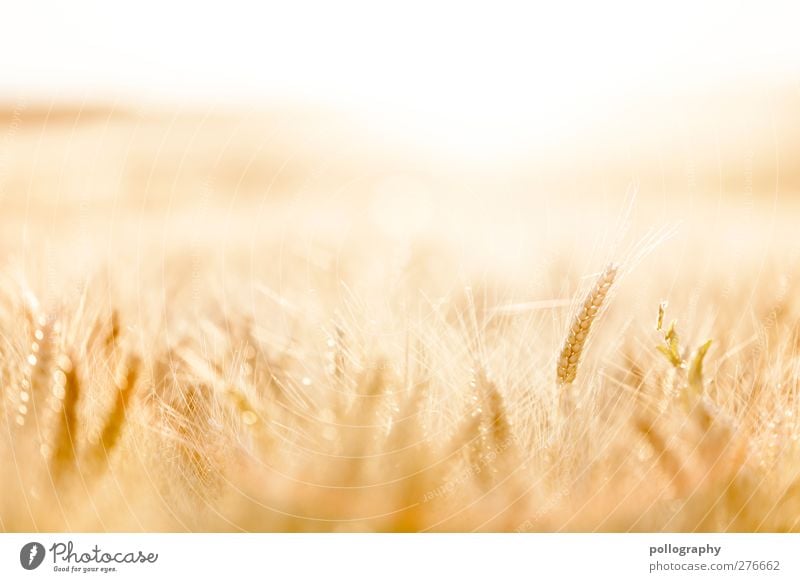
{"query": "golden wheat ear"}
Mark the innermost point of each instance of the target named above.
(579, 330)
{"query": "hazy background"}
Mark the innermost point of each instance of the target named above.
(519, 99)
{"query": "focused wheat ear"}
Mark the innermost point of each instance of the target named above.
(579, 330)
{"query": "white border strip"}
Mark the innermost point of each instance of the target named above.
(381, 557)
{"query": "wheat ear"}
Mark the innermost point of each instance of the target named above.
(579, 331)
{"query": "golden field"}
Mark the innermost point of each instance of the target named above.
(242, 323)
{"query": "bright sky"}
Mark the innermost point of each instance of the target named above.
(455, 62)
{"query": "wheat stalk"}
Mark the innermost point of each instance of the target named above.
(491, 446)
(39, 360)
(579, 331)
(116, 420)
(667, 457)
(65, 394)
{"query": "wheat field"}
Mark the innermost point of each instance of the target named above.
(195, 339)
